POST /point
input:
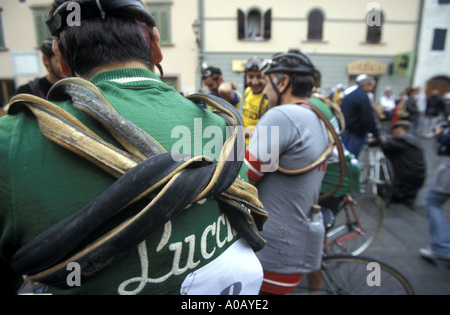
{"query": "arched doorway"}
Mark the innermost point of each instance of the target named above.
(440, 82)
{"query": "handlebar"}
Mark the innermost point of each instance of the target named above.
(373, 142)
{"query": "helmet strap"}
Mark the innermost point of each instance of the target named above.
(274, 86)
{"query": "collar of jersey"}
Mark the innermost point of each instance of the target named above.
(128, 77)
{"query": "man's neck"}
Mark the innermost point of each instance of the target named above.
(292, 99)
(116, 65)
(52, 78)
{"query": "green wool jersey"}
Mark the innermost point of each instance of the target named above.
(332, 176)
(41, 183)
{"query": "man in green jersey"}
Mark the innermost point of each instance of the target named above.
(115, 47)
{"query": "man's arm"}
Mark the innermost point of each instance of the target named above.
(368, 117)
(227, 90)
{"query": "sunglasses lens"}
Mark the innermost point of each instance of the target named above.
(253, 65)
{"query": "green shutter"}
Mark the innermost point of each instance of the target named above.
(42, 31)
(2, 38)
(163, 22)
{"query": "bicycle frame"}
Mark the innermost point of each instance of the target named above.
(352, 223)
(377, 164)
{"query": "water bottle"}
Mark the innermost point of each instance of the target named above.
(316, 216)
(315, 239)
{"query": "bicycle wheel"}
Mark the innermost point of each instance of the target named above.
(349, 275)
(357, 225)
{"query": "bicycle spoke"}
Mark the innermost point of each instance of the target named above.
(354, 275)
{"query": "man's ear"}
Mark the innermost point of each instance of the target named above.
(65, 68)
(155, 47)
(284, 84)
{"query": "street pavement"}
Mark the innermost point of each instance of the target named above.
(405, 231)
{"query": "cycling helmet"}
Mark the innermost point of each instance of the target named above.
(64, 13)
(289, 63)
(292, 64)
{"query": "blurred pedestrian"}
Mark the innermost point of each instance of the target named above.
(359, 117)
(387, 102)
(336, 95)
(439, 193)
(413, 110)
(353, 87)
(447, 105)
(435, 108)
(408, 161)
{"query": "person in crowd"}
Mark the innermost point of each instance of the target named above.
(435, 108)
(447, 105)
(387, 102)
(400, 112)
(255, 102)
(335, 95)
(41, 86)
(212, 77)
(437, 195)
(387, 109)
(421, 101)
(408, 161)
(44, 186)
(295, 136)
(412, 109)
(359, 117)
(353, 87)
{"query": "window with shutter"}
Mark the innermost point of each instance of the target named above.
(439, 38)
(241, 25)
(42, 31)
(315, 25)
(161, 12)
(268, 24)
(2, 37)
(254, 25)
(374, 29)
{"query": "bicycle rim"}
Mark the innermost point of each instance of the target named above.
(349, 275)
(357, 225)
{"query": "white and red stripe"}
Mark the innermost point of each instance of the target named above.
(254, 166)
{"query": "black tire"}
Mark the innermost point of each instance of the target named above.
(350, 275)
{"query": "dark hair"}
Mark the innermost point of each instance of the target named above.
(98, 42)
(46, 48)
(211, 71)
(302, 86)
